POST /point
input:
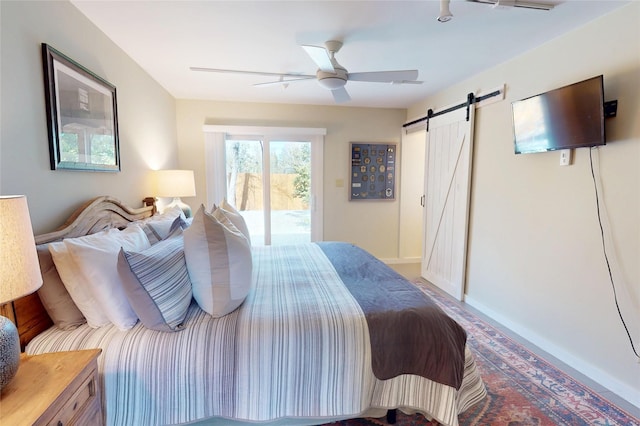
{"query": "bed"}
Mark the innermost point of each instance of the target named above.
(325, 332)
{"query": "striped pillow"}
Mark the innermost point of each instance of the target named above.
(159, 230)
(157, 284)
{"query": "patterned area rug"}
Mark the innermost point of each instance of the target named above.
(523, 389)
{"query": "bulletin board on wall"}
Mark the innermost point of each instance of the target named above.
(373, 171)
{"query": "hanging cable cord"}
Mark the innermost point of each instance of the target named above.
(606, 257)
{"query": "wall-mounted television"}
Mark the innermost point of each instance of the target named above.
(568, 117)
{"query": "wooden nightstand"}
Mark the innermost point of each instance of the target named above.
(57, 389)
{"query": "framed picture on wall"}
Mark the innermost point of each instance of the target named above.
(82, 117)
(373, 171)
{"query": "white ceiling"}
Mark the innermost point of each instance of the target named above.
(167, 37)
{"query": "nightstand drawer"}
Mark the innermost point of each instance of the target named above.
(57, 388)
(79, 401)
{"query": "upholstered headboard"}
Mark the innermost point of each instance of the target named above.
(96, 215)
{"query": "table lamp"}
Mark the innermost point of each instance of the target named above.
(176, 184)
(19, 275)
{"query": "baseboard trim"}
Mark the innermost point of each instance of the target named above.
(594, 373)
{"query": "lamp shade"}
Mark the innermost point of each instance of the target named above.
(175, 183)
(19, 268)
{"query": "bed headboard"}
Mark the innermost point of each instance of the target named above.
(94, 216)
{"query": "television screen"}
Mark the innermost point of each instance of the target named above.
(564, 118)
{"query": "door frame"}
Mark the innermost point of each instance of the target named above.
(215, 167)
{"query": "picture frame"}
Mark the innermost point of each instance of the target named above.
(82, 118)
(373, 171)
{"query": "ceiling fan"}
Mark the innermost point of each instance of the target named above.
(330, 74)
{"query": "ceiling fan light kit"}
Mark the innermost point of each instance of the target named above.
(332, 81)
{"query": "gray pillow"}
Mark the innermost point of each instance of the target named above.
(235, 217)
(54, 296)
(157, 284)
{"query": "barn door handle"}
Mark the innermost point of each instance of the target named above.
(422, 199)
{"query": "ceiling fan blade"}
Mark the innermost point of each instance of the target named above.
(384, 76)
(503, 4)
(320, 56)
(407, 82)
(340, 95)
(269, 74)
(283, 81)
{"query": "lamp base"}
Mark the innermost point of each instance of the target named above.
(9, 351)
(184, 207)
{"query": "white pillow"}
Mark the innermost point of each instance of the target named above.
(97, 259)
(75, 284)
(219, 262)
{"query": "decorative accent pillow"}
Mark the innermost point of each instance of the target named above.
(75, 284)
(157, 231)
(219, 262)
(151, 233)
(54, 296)
(158, 227)
(235, 217)
(157, 283)
(97, 259)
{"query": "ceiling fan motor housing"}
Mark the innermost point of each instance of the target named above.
(332, 81)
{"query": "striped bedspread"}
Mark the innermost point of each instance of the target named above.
(298, 347)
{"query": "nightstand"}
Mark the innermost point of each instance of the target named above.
(57, 389)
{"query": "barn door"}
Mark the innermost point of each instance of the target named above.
(448, 157)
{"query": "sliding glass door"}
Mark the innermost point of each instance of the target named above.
(269, 182)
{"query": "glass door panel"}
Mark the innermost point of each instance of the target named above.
(269, 183)
(289, 191)
(245, 184)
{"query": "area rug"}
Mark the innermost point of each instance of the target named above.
(523, 389)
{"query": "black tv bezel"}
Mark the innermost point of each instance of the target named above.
(568, 146)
